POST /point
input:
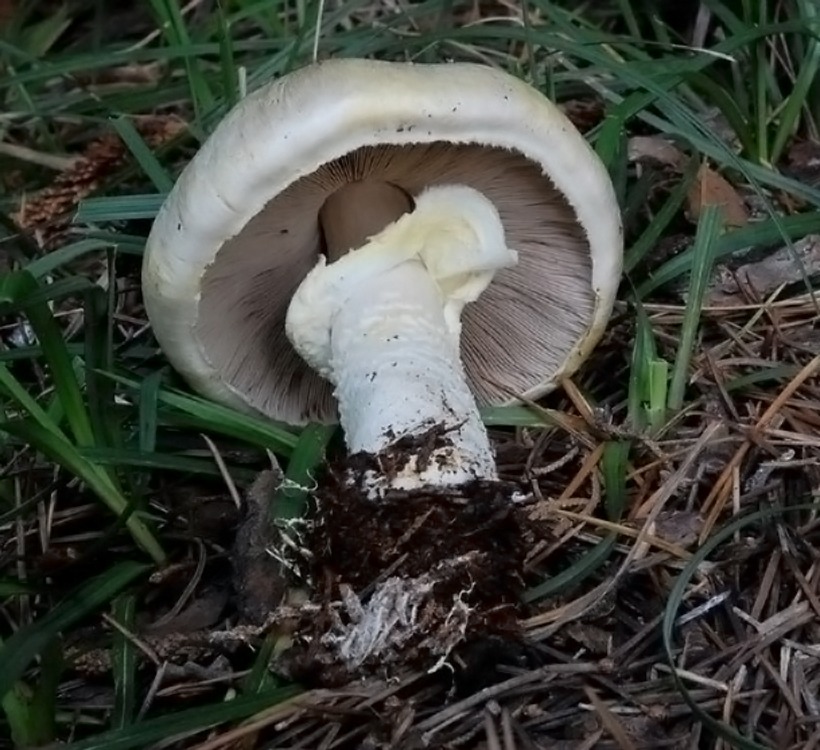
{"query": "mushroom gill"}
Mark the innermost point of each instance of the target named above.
(514, 337)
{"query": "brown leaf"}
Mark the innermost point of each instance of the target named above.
(678, 526)
(203, 612)
(584, 114)
(593, 638)
(712, 189)
(657, 149)
(788, 265)
(260, 580)
(803, 161)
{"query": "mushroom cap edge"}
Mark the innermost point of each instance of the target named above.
(279, 133)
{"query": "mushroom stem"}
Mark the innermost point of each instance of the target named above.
(382, 323)
(398, 375)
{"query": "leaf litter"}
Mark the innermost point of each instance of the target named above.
(590, 663)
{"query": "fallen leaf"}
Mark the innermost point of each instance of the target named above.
(203, 612)
(761, 278)
(584, 114)
(712, 189)
(803, 161)
(593, 638)
(657, 149)
(259, 579)
(680, 527)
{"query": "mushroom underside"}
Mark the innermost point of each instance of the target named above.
(514, 336)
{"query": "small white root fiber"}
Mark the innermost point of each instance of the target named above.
(393, 615)
(384, 624)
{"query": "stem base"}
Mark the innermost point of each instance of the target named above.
(412, 577)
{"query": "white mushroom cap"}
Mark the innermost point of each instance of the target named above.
(240, 229)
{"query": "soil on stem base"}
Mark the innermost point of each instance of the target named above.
(412, 579)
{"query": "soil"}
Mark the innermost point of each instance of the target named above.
(468, 543)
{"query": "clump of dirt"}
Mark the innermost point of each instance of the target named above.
(423, 448)
(409, 579)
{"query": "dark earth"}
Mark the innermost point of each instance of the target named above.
(472, 540)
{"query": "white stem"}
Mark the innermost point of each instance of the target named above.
(398, 373)
(382, 324)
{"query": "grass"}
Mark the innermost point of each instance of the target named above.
(676, 599)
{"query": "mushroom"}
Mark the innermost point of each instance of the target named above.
(392, 245)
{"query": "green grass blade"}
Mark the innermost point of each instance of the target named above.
(222, 419)
(30, 712)
(609, 139)
(515, 416)
(574, 575)
(709, 227)
(290, 501)
(626, 8)
(175, 29)
(17, 289)
(15, 706)
(667, 213)
(227, 59)
(260, 678)
(225, 421)
(14, 588)
(20, 650)
(182, 723)
(797, 99)
(148, 409)
(58, 449)
(65, 255)
(43, 705)
(124, 661)
(143, 154)
(614, 463)
(644, 354)
(164, 461)
(774, 373)
(99, 354)
(74, 286)
(118, 208)
(21, 396)
(658, 393)
(727, 102)
(759, 234)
